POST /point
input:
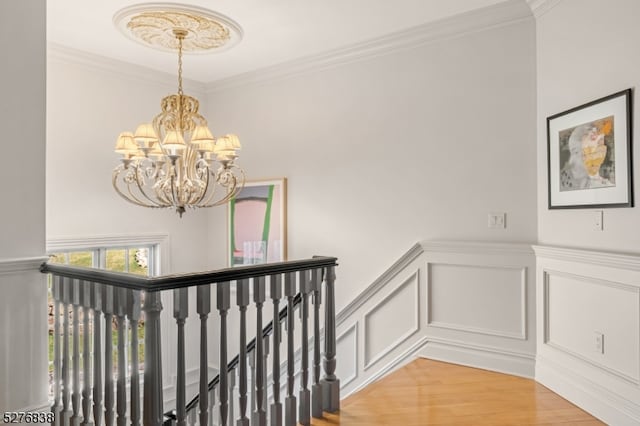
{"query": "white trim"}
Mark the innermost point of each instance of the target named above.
(479, 356)
(353, 328)
(546, 321)
(379, 283)
(25, 264)
(397, 362)
(477, 247)
(540, 7)
(497, 15)
(95, 242)
(369, 360)
(629, 261)
(610, 407)
(120, 69)
(522, 335)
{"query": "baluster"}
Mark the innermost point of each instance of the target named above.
(252, 366)
(96, 299)
(212, 406)
(223, 304)
(85, 301)
(305, 395)
(204, 308)
(180, 313)
(153, 403)
(316, 389)
(242, 300)
(120, 310)
(276, 294)
(259, 296)
(75, 398)
(56, 290)
(66, 384)
(134, 310)
(290, 400)
(107, 298)
(265, 356)
(232, 386)
(330, 383)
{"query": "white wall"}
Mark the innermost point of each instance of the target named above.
(417, 144)
(23, 353)
(583, 54)
(87, 107)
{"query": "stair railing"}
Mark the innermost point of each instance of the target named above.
(112, 306)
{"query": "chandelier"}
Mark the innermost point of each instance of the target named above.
(174, 161)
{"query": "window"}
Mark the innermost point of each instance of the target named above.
(131, 255)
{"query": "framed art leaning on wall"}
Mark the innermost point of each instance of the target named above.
(258, 223)
(589, 154)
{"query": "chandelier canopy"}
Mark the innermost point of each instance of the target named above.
(174, 161)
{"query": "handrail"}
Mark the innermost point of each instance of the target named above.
(170, 282)
(266, 332)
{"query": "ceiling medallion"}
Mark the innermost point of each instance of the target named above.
(153, 25)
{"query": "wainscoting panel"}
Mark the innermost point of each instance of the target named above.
(470, 303)
(589, 312)
(478, 299)
(392, 321)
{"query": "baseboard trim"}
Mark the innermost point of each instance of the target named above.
(586, 394)
(484, 357)
(394, 364)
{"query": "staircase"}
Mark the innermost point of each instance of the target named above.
(95, 382)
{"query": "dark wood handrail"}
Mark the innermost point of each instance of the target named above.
(170, 282)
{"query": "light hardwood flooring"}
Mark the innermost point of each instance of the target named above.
(427, 392)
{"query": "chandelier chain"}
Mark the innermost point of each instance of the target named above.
(180, 39)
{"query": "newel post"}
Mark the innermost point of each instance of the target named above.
(330, 383)
(153, 407)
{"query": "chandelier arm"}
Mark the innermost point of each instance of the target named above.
(132, 198)
(198, 202)
(141, 189)
(234, 191)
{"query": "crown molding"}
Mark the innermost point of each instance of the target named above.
(540, 7)
(498, 15)
(121, 69)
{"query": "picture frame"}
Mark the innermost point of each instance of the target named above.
(257, 223)
(589, 154)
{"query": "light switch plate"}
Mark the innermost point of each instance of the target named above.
(597, 220)
(497, 220)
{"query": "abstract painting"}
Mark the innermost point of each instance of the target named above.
(589, 154)
(257, 223)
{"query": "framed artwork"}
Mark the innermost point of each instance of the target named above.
(258, 223)
(589, 154)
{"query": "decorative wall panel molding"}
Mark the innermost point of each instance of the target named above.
(454, 299)
(347, 343)
(394, 313)
(398, 314)
(589, 312)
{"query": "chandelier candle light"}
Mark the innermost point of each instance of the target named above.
(175, 161)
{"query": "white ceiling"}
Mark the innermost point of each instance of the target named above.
(275, 31)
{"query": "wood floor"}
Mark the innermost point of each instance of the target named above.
(427, 392)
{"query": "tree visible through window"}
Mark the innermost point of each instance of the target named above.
(140, 260)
